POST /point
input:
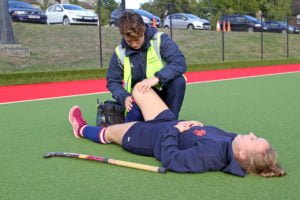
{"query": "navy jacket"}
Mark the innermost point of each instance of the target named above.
(199, 149)
(170, 53)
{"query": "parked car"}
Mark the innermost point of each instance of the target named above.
(146, 15)
(70, 14)
(24, 12)
(186, 21)
(280, 27)
(242, 22)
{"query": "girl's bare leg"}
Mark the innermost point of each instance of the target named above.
(149, 102)
(115, 133)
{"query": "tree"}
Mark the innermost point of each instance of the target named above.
(212, 9)
(76, 2)
(109, 5)
(106, 7)
(276, 9)
(44, 4)
(157, 7)
(160, 7)
(235, 6)
(295, 7)
(6, 31)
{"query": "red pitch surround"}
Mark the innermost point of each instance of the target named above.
(17, 93)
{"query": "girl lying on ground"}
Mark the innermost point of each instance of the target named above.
(182, 146)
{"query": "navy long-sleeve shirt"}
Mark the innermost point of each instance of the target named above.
(170, 53)
(198, 149)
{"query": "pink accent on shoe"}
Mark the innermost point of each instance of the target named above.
(76, 120)
(81, 130)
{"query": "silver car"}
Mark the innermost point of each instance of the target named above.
(70, 14)
(186, 21)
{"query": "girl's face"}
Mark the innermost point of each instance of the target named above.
(134, 43)
(250, 143)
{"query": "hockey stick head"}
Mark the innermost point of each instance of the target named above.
(48, 155)
(51, 154)
(62, 154)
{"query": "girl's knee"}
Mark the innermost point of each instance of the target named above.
(135, 92)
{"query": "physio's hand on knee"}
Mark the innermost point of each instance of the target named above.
(128, 103)
(145, 85)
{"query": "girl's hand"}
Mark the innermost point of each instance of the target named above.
(128, 103)
(195, 123)
(186, 125)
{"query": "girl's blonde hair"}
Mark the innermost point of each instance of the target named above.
(264, 164)
(131, 25)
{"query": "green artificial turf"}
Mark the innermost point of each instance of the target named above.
(268, 106)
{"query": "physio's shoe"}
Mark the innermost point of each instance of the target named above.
(77, 121)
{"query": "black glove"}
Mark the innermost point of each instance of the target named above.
(109, 113)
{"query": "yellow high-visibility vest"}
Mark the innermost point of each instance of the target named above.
(154, 61)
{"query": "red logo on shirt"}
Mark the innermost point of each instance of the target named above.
(199, 132)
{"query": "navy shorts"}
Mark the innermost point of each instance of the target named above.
(142, 136)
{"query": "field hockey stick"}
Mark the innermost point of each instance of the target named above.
(108, 161)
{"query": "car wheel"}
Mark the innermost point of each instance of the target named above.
(190, 27)
(250, 29)
(112, 25)
(166, 27)
(66, 21)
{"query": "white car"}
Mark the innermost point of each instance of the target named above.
(186, 21)
(70, 14)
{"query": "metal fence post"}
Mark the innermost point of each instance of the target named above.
(6, 30)
(287, 37)
(170, 14)
(123, 5)
(100, 34)
(223, 43)
(261, 39)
